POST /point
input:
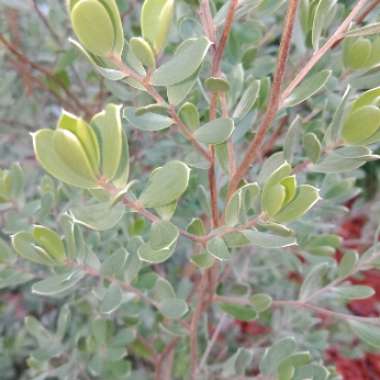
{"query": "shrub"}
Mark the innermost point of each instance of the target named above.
(199, 191)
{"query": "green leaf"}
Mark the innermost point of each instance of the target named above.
(114, 265)
(272, 199)
(218, 248)
(268, 240)
(313, 280)
(310, 86)
(347, 264)
(173, 308)
(321, 13)
(356, 53)
(361, 124)
(352, 292)
(178, 92)
(367, 98)
(112, 299)
(367, 30)
(305, 199)
(150, 255)
(203, 260)
(367, 331)
(215, 132)
(291, 139)
(57, 284)
(189, 115)
(55, 165)
(166, 185)
(50, 242)
(98, 216)
(93, 26)
(149, 121)
(183, 64)
(215, 84)
(247, 100)
(110, 134)
(345, 159)
(240, 312)
(232, 210)
(163, 235)
(275, 354)
(312, 372)
(142, 50)
(156, 18)
(312, 147)
(5, 252)
(261, 302)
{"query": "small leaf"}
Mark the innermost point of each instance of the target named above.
(148, 254)
(247, 100)
(240, 312)
(232, 211)
(178, 92)
(148, 121)
(173, 308)
(368, 332)
(356, 53)
(163, 235)
(156, 18)
(347, 264)
(218, 248)
(215, 132)
(313, 280)
(112, 299)
(142, 50)
(310, 86)
(291, 139)
(93, 26)
(261, 302)
(98, 216)
(367, 30)
(361, 125)
(321, 13)
(272, 199)
(189, 115)
(312, 147)
(50, 241)
(268, 240)
(113, 265)
(353, 292)
(305, 199)
(203, 260)
(57, 284)
(183, 64)
(215, 84)
(166, 185)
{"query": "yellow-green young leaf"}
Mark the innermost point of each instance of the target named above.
(24, 245)
(370, 97)
(356, 53)
(214, 84)
(189, 115)
(53, 163)
(215, 132)
(142, 50)
(71, 151)
(166, 185)
(183, 64)
(93, 26)
(374, 59)
(312, 147)
(163, 235)
(361, 124)
(218, 248)
(290, 185)
(120, 179)
(305, 199)
(272, 199)
(156, 19)
(310, 86)
(50, 242)
(109, 131)
(196, 227)
(261, 302)
(277, 174)
(85, 134)
(113, 9)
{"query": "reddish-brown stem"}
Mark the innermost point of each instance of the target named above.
(336, 37)
(274, 101)
(367, 11)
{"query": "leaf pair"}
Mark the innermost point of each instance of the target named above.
(42, 246)
(80, 154)
(362, 124)
(98, 26)
(282, 200)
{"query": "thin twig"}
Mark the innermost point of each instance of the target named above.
(274, 101)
